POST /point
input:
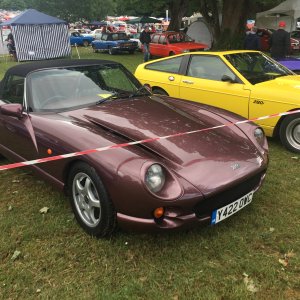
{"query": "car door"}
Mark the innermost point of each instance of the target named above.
(163, 74)
(164, 47)
(154, 47)
(16, 133)
(209, 80)
(76, 38)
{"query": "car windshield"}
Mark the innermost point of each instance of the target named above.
(76, 87)
(256, 67)
(179, 38)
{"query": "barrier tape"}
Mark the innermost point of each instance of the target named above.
(85, 152)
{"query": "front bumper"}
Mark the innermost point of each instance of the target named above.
(179, 218)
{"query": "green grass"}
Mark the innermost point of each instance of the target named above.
(59, 261)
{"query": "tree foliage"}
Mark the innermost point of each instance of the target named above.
(234, 12)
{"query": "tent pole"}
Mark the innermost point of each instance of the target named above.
(77, 51)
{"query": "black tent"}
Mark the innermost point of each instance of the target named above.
(38, 36)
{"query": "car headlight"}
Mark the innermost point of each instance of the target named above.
(259, 136)
(155, 178)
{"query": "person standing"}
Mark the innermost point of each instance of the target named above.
(145, 39)
(252, 40)
(280, 42)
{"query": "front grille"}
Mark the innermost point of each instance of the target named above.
(206, 206)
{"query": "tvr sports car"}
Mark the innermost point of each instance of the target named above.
(162, 180)
(248, 83)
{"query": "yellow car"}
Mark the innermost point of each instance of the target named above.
(248, 83)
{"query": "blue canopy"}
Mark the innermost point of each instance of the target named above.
(32, 17)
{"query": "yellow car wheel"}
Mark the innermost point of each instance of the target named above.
(290, 132)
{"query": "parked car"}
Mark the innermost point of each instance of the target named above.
(83, 31)
(96, 33)
(296, 35)
(136, 37)
(78, 39)
(114, 42)
(265, 35)
(71, 109)
(248, 83)
(170, 43)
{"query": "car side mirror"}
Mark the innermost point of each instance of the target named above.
(12, 109)
(227, 78)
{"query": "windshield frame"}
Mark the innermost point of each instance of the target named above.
(32, 107)
(270, 69)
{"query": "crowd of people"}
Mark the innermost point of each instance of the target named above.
(279, 41)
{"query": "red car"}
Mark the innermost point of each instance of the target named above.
(171, 43)
(265, 35)
(145, 179)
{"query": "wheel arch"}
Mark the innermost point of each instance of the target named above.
(158, 88)
(278, 124)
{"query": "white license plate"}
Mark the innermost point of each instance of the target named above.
(224, 212)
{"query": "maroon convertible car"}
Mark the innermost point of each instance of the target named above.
(64, 106)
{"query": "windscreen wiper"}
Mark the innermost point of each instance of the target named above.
(141, 91)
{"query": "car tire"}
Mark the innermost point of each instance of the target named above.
(289, 132)
(171, 53)
(159, 91)
(94, 49)
(92, 207)
(111, 51)
(86, 43)
(131, 51)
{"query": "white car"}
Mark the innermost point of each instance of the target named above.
(136, 37)
(96, 34)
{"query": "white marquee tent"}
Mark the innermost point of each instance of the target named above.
(288, 11)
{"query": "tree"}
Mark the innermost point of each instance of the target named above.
(234, 14)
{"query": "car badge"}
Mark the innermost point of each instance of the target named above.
(235, 166)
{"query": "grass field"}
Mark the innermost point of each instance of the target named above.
(253, 255)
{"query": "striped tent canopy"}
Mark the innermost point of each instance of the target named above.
(38, 36)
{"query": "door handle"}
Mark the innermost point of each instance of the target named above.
(188, 81)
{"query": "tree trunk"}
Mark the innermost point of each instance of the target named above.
(210, 11)
(234, 16)
(178, 9)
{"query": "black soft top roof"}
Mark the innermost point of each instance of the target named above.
(25, 68)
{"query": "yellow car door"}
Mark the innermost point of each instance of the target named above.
(162, 75)
(209, 80)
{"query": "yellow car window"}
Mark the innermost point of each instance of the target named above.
(208, 67)
(169, 65)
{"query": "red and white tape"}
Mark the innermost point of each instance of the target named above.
(85, 152)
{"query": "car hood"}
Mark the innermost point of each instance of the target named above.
(224, 152)
(283, 82)
(278, 88)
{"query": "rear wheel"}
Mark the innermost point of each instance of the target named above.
(290, 132)
(90, 202)
(85, 43)
(171, 53)
(159, 91)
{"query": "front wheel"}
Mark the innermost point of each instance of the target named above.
(290, 132)
(90, 202)
(111, 51)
